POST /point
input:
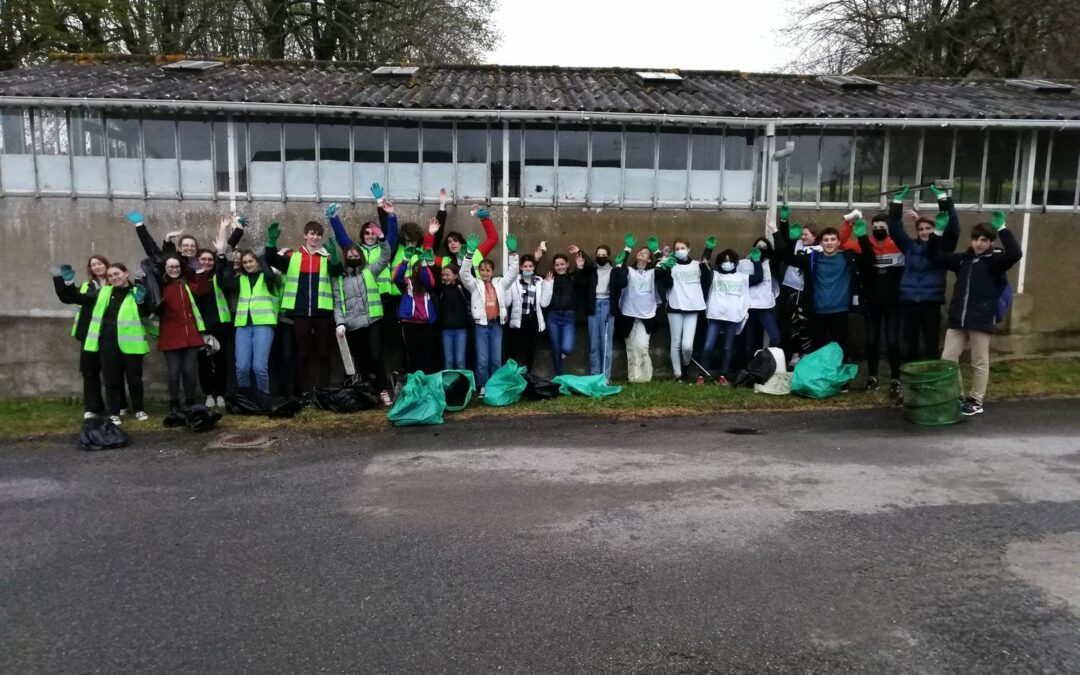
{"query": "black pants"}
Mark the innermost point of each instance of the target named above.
(116, 367)
(183, 367)
(521, 342)
(90, 367)
(214, 370)
(420, 352)
(393, 347)
(314, 344)
(365, 345)
(283, 362)
(877, 318)
(826, 328)
(920, 330)
(794, 322)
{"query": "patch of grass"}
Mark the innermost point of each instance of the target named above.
(22, 418)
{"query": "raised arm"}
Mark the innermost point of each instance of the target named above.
(1002, 262)
(340, 233)
(150, 246)
(896, 227)
(491, 235)
(275, 259)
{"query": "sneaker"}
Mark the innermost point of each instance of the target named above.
(722, 381)
(141, 416)
(116, 420)
(971, 407)
(88, 415)
(845, 389)
(700, 380)
(896, 392)
(384, 396)
(483, 390)
(123, 412)
(210, 402)
(221, 401)
(871, 384)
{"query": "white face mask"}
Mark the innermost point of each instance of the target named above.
(727, 266)
(682, 254)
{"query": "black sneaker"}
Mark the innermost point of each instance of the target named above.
(871, 384)
(896, 392)
(971, 407)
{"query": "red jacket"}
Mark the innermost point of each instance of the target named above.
(178, 328)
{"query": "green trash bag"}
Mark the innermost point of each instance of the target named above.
(821, 374)
(422, 401)
(458, 388)
(593, 386)
(505, 385)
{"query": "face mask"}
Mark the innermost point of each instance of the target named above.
(880, 235)
(682, 254)
(526, 275)
(601, 260)
(352, 262)
(727, 267)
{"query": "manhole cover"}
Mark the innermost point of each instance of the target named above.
(242, 440)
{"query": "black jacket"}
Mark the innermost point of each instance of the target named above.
(857, 263)
(452, 306)
(70, 294)
(586, 293)
(980, 280)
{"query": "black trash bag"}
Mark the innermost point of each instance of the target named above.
(347, 399)
(538, 389)
(251, 401)
(760, 369)
(200, 418)
(99, 433)
(148, 269)
(174, 420)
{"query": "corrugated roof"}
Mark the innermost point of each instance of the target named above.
(490, 87)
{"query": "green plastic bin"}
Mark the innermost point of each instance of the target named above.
(931, 392)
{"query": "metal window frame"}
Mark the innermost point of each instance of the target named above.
(553, 202)
(916, 201)
(590, 200)
(176, 149)
(28, 113)
(320, 196)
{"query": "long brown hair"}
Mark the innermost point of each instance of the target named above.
(90, 261)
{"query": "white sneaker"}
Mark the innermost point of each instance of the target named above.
(116, 420)
(221, 401)
(88, 415)
(209, 401)
(483, 390)
(123, 412)
(384, 396)
(141, 416)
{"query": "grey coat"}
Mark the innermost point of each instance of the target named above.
(354, 314)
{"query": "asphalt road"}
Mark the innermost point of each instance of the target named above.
(846, 542)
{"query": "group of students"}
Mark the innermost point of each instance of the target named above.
(281, 312)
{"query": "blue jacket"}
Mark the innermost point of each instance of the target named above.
(409, 296)
(923, 279)
(980, 280)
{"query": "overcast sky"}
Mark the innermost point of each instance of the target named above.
(687, 34)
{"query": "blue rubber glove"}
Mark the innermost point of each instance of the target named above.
(331, 211)
(243, 220)
(376, 191)
(483, 214)
(68, 273)
(139, 293)
(136, 218)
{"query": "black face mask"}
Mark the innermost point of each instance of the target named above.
(353, 262)
(880, 235)
(601, 260)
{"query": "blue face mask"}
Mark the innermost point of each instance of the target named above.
(526, 275)
(682, 254)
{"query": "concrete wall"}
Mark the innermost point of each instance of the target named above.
(38, 357)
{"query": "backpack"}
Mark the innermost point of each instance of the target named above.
(1004, 302)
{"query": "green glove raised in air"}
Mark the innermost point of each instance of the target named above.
(860, 228)
(785, 212)
(621, 258)
(653, 244)
(940, 194)
(901, 194)
(511, 243)
(471, 242)
(410, 253)
(998, 220)
(630, 240)
(710, 242)
(332, 249)
(427, 256)
(668, 263)
(941, 222)
(273, 233)
(794, 231)
(755, 254)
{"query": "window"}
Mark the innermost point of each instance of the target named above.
(88, 153)
(739, 149)
(267, 169)
(437, 170)
(538, 174)
(369, 156)
(706, 148)
(1002, 159)
(606, 171)
(51, 144)
(472, 160)
(903, 157)
(196, 167)
(573, 163)
(404, 169)
(226, 131)
(836, 148)
(159, 140)
(1064, 158)
(671, 175)
(17, 162)
(640, 173)
(967, 175)
(125, 163)
(937, 160)
(869, 159)
(799, 179)
(514, 169)
(300, 175)
(335, 179)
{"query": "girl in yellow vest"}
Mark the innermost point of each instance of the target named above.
(182, 328)
(97, 269)
(358, 311)
(117, 333)
(258, 296)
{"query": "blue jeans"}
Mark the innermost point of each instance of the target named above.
(560, 328)
(601, 334)
(253, 345)
(453, 348)
(728, 330)
(488, 350)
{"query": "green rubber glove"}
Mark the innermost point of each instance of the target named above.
(471, 242)
(941, 221)
(794, 231)
(630, 240)
(755, 254)
(710, 242)
(901, 194)
(332, 249)
(273, 233)
(427, 256)
(68, 273)
(621, 258)
(410, 253)
(668, 262)
(653, 244)
(511, 243)
(940, 194)
(860, 228)
(785, 212)
(998, 221)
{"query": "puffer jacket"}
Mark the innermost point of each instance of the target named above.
(353, 312)
(923, 279)
(980, 280)
(477, 296)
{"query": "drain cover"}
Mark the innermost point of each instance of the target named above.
(241, 441)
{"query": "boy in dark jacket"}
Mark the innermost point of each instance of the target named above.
(980, 280)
